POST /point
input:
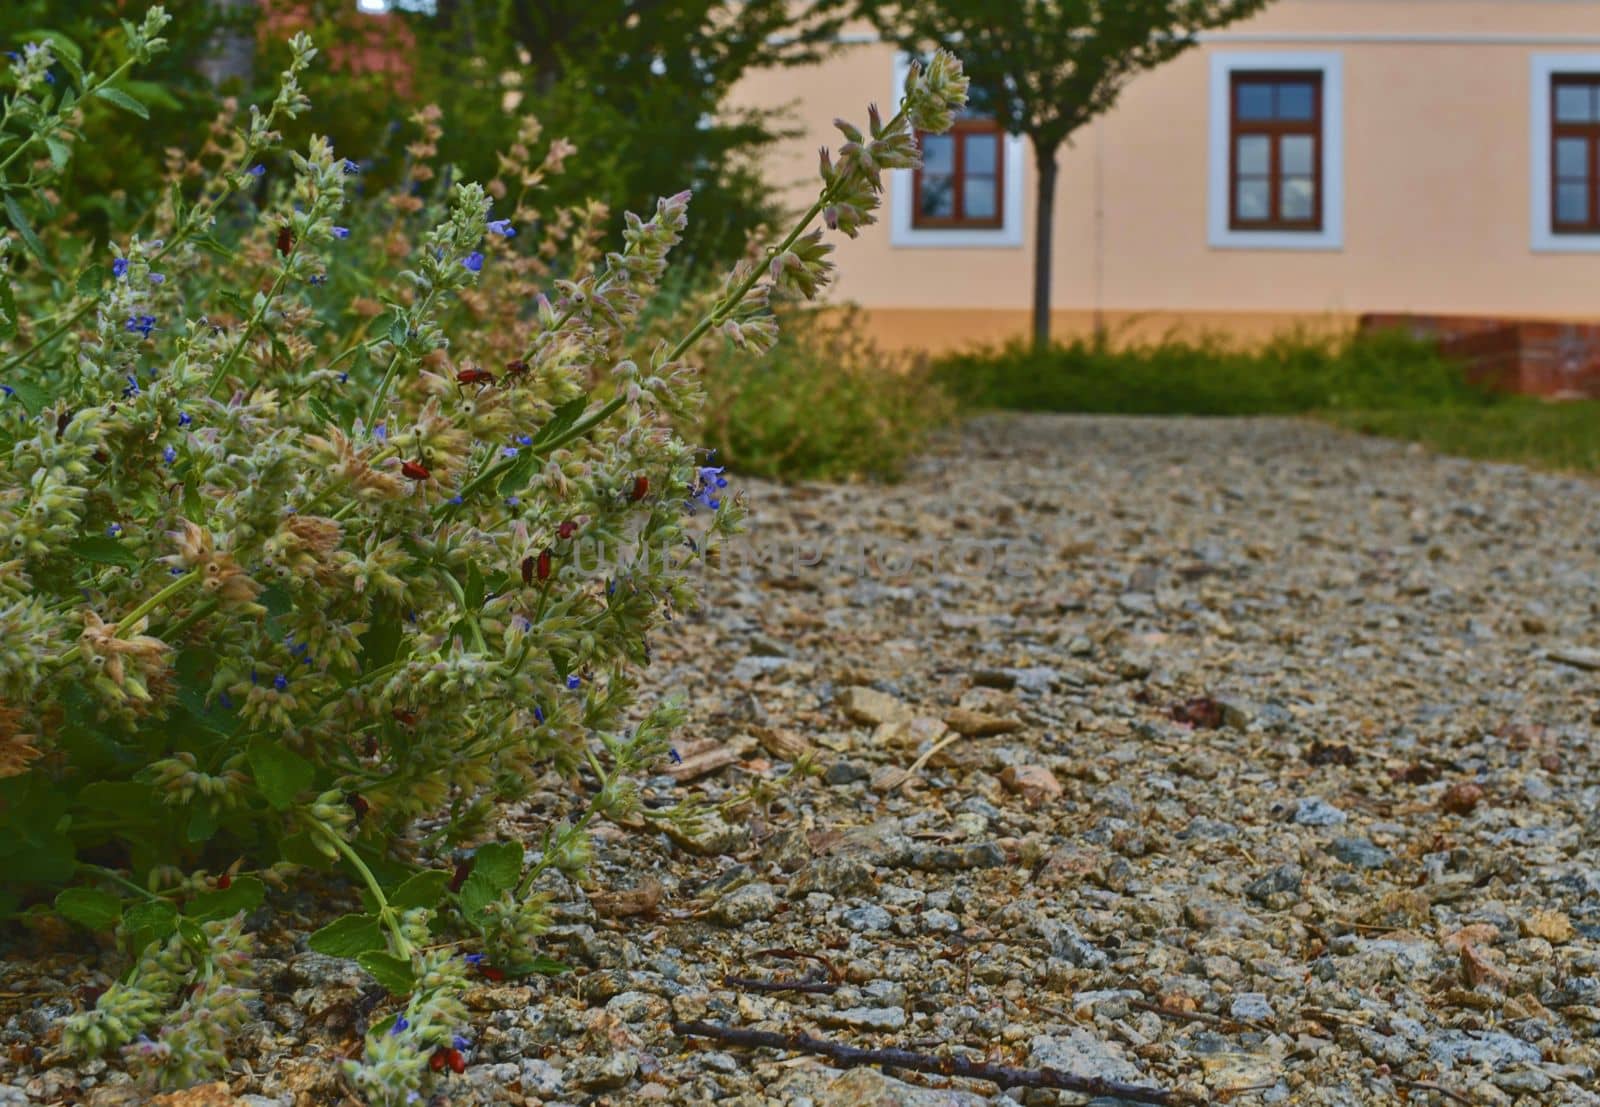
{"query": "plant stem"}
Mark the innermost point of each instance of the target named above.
(219, 374)
(386, 914)
(126, 623)
(119, 880)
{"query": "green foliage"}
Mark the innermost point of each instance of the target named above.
(825, 404)
(1509, 428)
(1293, 373)
(297, 477)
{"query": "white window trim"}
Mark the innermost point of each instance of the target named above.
(1223, 65)
(1544, 68)
(902, 196)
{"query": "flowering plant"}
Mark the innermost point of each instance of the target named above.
(290, 539)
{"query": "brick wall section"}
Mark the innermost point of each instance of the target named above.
(1536, 358)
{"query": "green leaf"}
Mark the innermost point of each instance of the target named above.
(19, 220)
(425, 889)
(349, 936)
(382, 641)
(521, 472)
(545, 966)
(90, 907)
(561, 421)
(90, 280)
(474, 589)
(34, 399)
(122, 100)
(301, 849)
(321, 411)
(500, 863)
(202, 824)
(246, 893)
(476, 894)
(394, 973)
(71, 62)
(149, 921)
(280, 773)
(60, 152)
(8, 307)
(105, 551)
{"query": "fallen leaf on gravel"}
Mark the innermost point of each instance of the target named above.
(630, 901)
(1477, 969)
(871, 707)
(978, 724)
(1034, 783)
(707, 755)
(1202, 712)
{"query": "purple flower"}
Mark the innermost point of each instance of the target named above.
(119, 268)
(677, 758)
(512, 501)
(573, 682)
(473, 958)
(473, 261)
(400, 1023)
(177, 571)
(169, 455)
(509, 451)
(280, 682)
(456, 499)
(381, 433)
(524, 439)
(158, 278)
(319, 278)
(503, 228)
(113, 530)
(183, 419)
(8, 390)
(132, 390)
(350, 168)
(341, 232)
(142, 324)
(257, 170)
(344, 378)
(460, 1043)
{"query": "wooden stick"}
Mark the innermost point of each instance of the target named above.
(1002, 1075)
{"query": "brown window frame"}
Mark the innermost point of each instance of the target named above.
(1590, 132)
(1275, 130)
(959, 133)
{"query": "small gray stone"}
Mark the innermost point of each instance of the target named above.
(1285, 880)
(1316, 811)
(1251, 1007)
(1082, 1054)
(746, 904)
(845, 772)
(865, 1018)
(1359, 852)
(867, 919)
(1488, 1047)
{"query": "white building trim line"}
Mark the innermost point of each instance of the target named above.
(1394, 38)
(1218, 232)
(901, 196)
(1540, 155)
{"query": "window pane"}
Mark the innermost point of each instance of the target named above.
(1296, 153)
(1572, 157)
(1254, 155)
(980, 198)
(938, 196)
(1298, 201)
(1255, 101)
(1574, 104)
(939, 153)
(1295, 101)
(981, 153)
(1572, 204)
(1253, 200)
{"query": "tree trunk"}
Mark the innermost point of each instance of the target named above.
(1043, 243)
(231, 55)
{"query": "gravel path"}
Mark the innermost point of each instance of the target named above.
(1263, 766)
